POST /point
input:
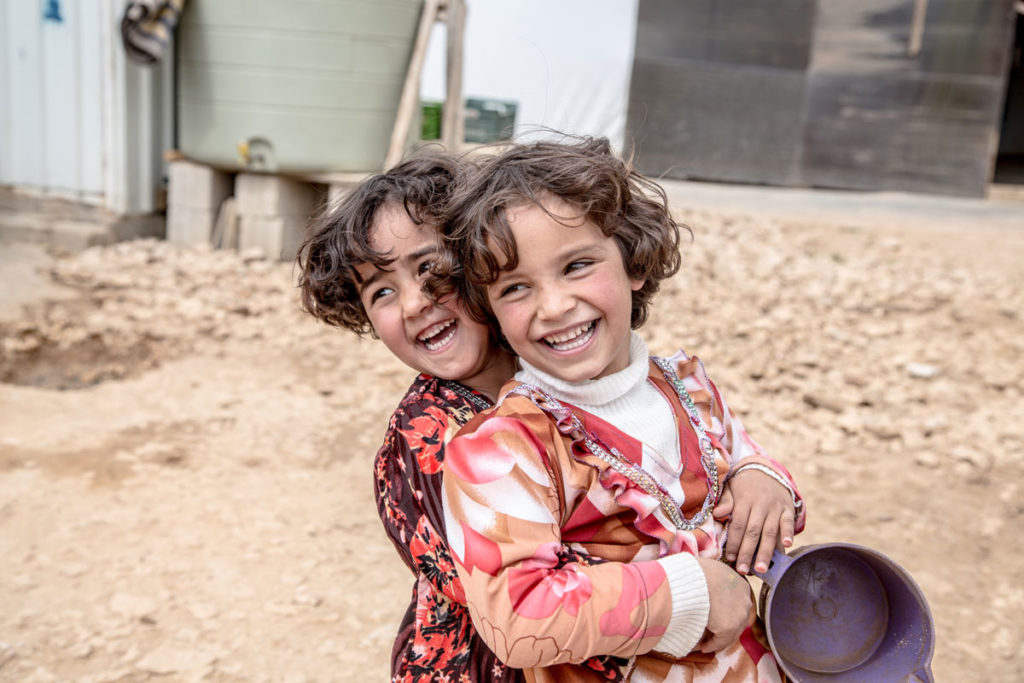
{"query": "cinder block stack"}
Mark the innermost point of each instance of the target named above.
(273, 212)
(195, 193)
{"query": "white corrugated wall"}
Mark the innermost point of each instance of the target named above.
(76, 121)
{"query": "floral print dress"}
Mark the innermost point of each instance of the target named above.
(436, 640)
(556, 518)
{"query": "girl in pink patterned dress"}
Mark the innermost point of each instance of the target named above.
(362, 268)
(587, 512)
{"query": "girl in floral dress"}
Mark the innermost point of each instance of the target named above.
(362, 268)
(587, 512)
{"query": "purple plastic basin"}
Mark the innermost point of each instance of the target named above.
(839, 612)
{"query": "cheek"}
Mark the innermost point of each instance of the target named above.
(383, 325)
(508, 316)
(477, 334)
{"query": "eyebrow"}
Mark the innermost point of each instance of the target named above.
(577, 252)
(409, 258)
(420, 253)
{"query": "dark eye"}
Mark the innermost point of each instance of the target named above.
(511, 289)
(577, 265)
(380, 293)
(424, 267)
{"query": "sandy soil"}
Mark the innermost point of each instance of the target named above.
(185, 488)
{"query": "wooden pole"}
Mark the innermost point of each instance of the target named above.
(917, 28)
(411, 89)
(453, 123)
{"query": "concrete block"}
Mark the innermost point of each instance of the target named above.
(271, 195)
(278, 237)
(195, 186)
(190, 227)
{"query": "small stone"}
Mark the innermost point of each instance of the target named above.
(831, 441)
(131, 654)
(927, 459)
(7, 653)
(202, 611)
(280, 609)
(922, 370)
(187, 634)
(40, 675)
(304, 597)
(132, 606)
(882, 430)
(167, 659)
(973, 456)
(74, 569)
(113, 676)
(24, 582)
(290, 579)
(80, 651)
(816, 400)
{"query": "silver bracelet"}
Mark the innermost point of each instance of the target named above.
(764, 469)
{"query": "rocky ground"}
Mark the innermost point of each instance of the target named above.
(185, 488)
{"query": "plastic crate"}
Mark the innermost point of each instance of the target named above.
(489, 120)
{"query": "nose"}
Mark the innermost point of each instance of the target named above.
(414, 302)
(553, 303)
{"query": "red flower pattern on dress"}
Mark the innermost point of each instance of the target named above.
(436, 640)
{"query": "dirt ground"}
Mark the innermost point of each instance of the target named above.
(185, 485)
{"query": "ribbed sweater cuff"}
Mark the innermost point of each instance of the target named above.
(690, 605)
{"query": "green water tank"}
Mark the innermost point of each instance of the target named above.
(292, 85)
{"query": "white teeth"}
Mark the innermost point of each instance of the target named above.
(433, 331)
(570, 339)
(568, 334)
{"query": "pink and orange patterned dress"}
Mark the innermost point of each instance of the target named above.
(556, 518)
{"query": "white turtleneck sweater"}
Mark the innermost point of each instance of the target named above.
(628, 401)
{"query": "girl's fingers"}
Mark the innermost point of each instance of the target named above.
(786, 526)
(724, 507)
(737, 529)
(769, 539)
(749, 540)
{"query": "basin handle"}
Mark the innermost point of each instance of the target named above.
(776, 568)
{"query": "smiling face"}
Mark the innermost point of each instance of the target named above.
(566, 306)
(436, 339)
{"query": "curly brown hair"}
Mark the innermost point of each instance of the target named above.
(585, 173)
(339, 238)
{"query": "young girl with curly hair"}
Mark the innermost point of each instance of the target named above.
(587, 512)
(362, 268)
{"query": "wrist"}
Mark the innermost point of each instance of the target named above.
(769, 472)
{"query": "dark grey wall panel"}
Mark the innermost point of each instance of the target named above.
(710, 121)
(821, 92)
(966, 37)
(776, 34)
(899, 131)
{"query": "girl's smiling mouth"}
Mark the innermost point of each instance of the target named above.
(437, 336)
(572, 338)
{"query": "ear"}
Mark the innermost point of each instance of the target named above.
(636, 285)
